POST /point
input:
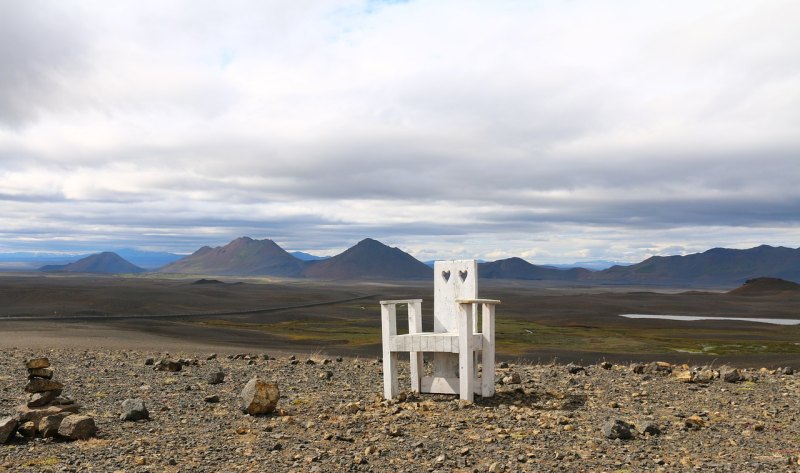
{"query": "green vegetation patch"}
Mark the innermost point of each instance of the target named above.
(517, 337)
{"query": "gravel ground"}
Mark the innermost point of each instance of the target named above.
(332, 418)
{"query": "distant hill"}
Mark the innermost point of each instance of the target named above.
(766, 286)
(106, 262)
(370, 259)
(307, 257)
(518, 268)
(715, 266)
(243, 257)
(594, 265)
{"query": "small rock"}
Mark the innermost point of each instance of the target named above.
(606, 365)
(212, 356)
(149, 362)
(685, 376)
(37, 363)
(8, 425)
(42, 399)
(575, 369)
(213, 398)
(27, 429)
(259, 396)
(706, 376)
(694, 423)
(39, 385)
(165, 364)
(326, 374)
(732, 375)
(650, 428)
(133, 410)
(216, 377)
(46, 373)
(77, 427)
(514, 378)
(618, 429)
(788, 370)
(310, 362)
(495, 468)
(503, 365)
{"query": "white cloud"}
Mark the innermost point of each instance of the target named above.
(514, 128)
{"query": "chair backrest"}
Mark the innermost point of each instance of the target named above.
(452, 280)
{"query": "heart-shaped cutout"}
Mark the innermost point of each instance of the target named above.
(446, 275)
(462, 275)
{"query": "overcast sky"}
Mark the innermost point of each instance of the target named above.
(558, 131)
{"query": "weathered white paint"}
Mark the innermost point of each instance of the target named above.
(463, 329)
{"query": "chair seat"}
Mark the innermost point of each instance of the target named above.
(432, 342)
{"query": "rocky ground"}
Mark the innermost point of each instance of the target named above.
(331, 417)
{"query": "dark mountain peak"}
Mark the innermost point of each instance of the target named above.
(371, 259)
(106, 262)
(518, 268)
(242, 256)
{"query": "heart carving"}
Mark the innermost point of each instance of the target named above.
(462, 275)
(446, 275)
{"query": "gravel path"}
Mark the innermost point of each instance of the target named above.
(332, 418)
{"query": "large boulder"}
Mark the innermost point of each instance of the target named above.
(259, 396)
(8, 425)
(134, 409)
(48, 426)
(77, 427)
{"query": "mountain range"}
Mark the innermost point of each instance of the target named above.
(371, 259)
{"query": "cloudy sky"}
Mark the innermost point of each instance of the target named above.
(558, 131)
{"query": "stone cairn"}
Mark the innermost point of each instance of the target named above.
(46, 414)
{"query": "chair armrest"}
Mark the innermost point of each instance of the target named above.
(478, 301)
(402, 301)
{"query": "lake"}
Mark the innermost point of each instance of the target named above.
(692, 318)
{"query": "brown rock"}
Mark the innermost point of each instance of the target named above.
(39, 385)
(168, 365)
(8, 425)
(27, 429)
(259, 396)
(77, 427)
(37, 363)
(685, 376)
(35, 414)
(41, 399)
(48, 426)
(46, 373)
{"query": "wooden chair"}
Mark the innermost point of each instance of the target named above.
(456, 341)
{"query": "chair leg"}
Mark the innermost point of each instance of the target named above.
(416, 370)
(466, 357)
(390, 384)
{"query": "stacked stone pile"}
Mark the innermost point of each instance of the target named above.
(46, 413)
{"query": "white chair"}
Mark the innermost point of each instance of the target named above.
(456, 341)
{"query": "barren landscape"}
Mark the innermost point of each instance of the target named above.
(320, 342)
